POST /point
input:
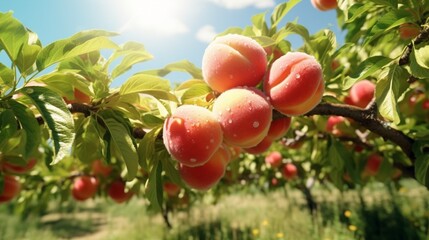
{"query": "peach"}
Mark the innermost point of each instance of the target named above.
(192, 134)
(19, 169)
(233, 60)
(408, 31)
(84, 187)
(373, 164)
(290, 171)
(274, 159)
(244, 115)
(261, 147)
(171, 189)
(117, 192)
(324, 5)
(100, 168)
(333, 125)
(79, 97)
(206, 176)
(295, 83)
(11, 188)
(362, 93)
(279, 127)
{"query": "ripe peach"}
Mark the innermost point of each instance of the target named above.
(295, 83)
(290, 171)
(116, 191)
(324, 5)
(206, 176)
(11, 188)
(279, 127)
(274, 159)
(84, 187)
(244, 115)
(261, 147)
(100, 168)
(79, 97)
(192, 135)
(18, 169)
(171, 189)
(362, 93)
(408, 31)
(373, 164)
(233, 60)
(332, 125)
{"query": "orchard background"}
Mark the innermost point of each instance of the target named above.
(260, 116)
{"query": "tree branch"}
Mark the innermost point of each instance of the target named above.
(368, 119)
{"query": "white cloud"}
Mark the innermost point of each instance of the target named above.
(206, 34)
(239, 4)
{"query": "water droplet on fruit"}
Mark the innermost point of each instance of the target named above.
(234, 135)
(212, 140)
(255, 124)
(230, 121)
(231, 76)
(297, 75)
(207, 147)
(228, 109)
(193, 160)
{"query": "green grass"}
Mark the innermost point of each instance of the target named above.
(376, 212)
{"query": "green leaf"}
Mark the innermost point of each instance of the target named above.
(28, 54)
(337, 155)
(416, 69)
(56, 115)
(195, 92)
(66, 48)
(421, 166)
(180, 66)
(358, 10)
(141, 82)
(169, 168)
(13, 35)
(297, 29)
(280, 12)
(366, 69)
(154, 186)
(422, 56)
(29, 124)
(388, 91)
(387, 22)
(146, 149)
(62, 82)
(6, 77)
(134, 53)
(121, 138)
(8, 127)
(87, 144)
(259, 25)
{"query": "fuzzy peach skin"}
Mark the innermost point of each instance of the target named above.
(233, 60)
(244, 115)
(11, 188)
(192, 135)
(261, 147)
(361, 93)
(205, 176)
(84, 187)
(295, 83)
(279, 127)
(324, 5)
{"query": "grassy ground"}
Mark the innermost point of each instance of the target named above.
(373, 213)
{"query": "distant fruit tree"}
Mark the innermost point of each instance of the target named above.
(260, 112)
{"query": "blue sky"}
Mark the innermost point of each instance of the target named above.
(171, 30)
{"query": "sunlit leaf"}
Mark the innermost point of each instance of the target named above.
(56, 115)
(13, 35)
(280, 12)
(422, 56)
(365, 69)
(180, 66)
(387, 22)
(140, 83)
(6, 76)
(133, 53)
(154, 186)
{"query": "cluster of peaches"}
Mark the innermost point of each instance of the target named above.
(86, 186)
(11, 172)
(234, 66)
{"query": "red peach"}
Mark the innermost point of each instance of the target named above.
(274, 159)
(279, 127)
(324, 5)
(171, 189)
(425, 104)
(84, 187)
(192, 135)
(290, 171)
(408, 31)
(11, 188)
(372, 165)
(19, 169)
(206, 176)
(333, 123)
(244, 115)
(233, 60)
(117, 192)
(261, 147)
(295, 83)
(100, 168)
(362, 93)
(79, 97)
